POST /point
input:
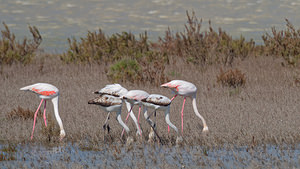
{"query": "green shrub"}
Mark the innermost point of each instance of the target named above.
(125, 70)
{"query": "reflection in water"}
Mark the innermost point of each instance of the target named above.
(144, 155)
(58, 20)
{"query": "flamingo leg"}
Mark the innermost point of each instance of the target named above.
(106, 126)
(171, 100)
(126, 120)
(182, 115)
(45, 114)
(152, 126)
(35, 114)
(139, 118)
(174, 97)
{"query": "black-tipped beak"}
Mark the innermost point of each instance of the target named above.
(96, 92)
(91, 102)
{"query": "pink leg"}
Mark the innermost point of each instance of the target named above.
(171, 100)
(182, 115)
(139, 118)
(45, 114)
(35, 114)
(126, 121)
(173, 97)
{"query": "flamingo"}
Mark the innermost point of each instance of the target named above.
(185, 89)
(160, 102)
(46, 92)
(111, 104)
(134, 97)
(118, 91)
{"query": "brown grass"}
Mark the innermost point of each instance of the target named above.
(265, 109)
(231, 78)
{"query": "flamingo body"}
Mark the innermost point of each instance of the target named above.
(181, 87)
(46, 91)
(113, 89)
(43, 90)
(110, 104)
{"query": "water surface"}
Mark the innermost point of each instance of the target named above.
(152, 156)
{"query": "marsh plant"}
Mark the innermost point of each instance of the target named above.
(20, 113)
(204, 47)
(231, 78)
(125, 57)
(284, 43)
(12, 50)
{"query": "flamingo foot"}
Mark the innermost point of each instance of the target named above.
(129, 141)
(179, 140)
(62, 135)
(205, 129)
(151, 136)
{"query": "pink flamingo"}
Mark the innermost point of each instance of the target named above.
(119, 91)
(159, 102)
(46, 92)
(134, 97)
(186, 89)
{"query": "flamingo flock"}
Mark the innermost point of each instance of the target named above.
(113, 96)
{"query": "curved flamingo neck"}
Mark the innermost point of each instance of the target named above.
(198, 114)
(58, 119)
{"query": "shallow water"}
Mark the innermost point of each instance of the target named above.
(58, 20)
(152, 156)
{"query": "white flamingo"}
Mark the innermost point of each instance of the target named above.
(186, 89)
(111, 104)
(134, 97)
(160, 102)
(119, 91)
(46, 92)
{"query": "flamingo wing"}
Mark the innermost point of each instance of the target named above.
(44, 89)
(158, 100)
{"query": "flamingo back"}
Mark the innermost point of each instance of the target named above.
(42, 89)
(157, 99)
(113, 89)
(136, 95)
(106, 101)
(181, 87)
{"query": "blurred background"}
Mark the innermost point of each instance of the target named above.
(58, 20)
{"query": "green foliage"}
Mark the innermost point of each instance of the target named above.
(285, 43)
(125, 70)
(14, 51)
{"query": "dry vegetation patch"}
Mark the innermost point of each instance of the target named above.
(232, 78)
